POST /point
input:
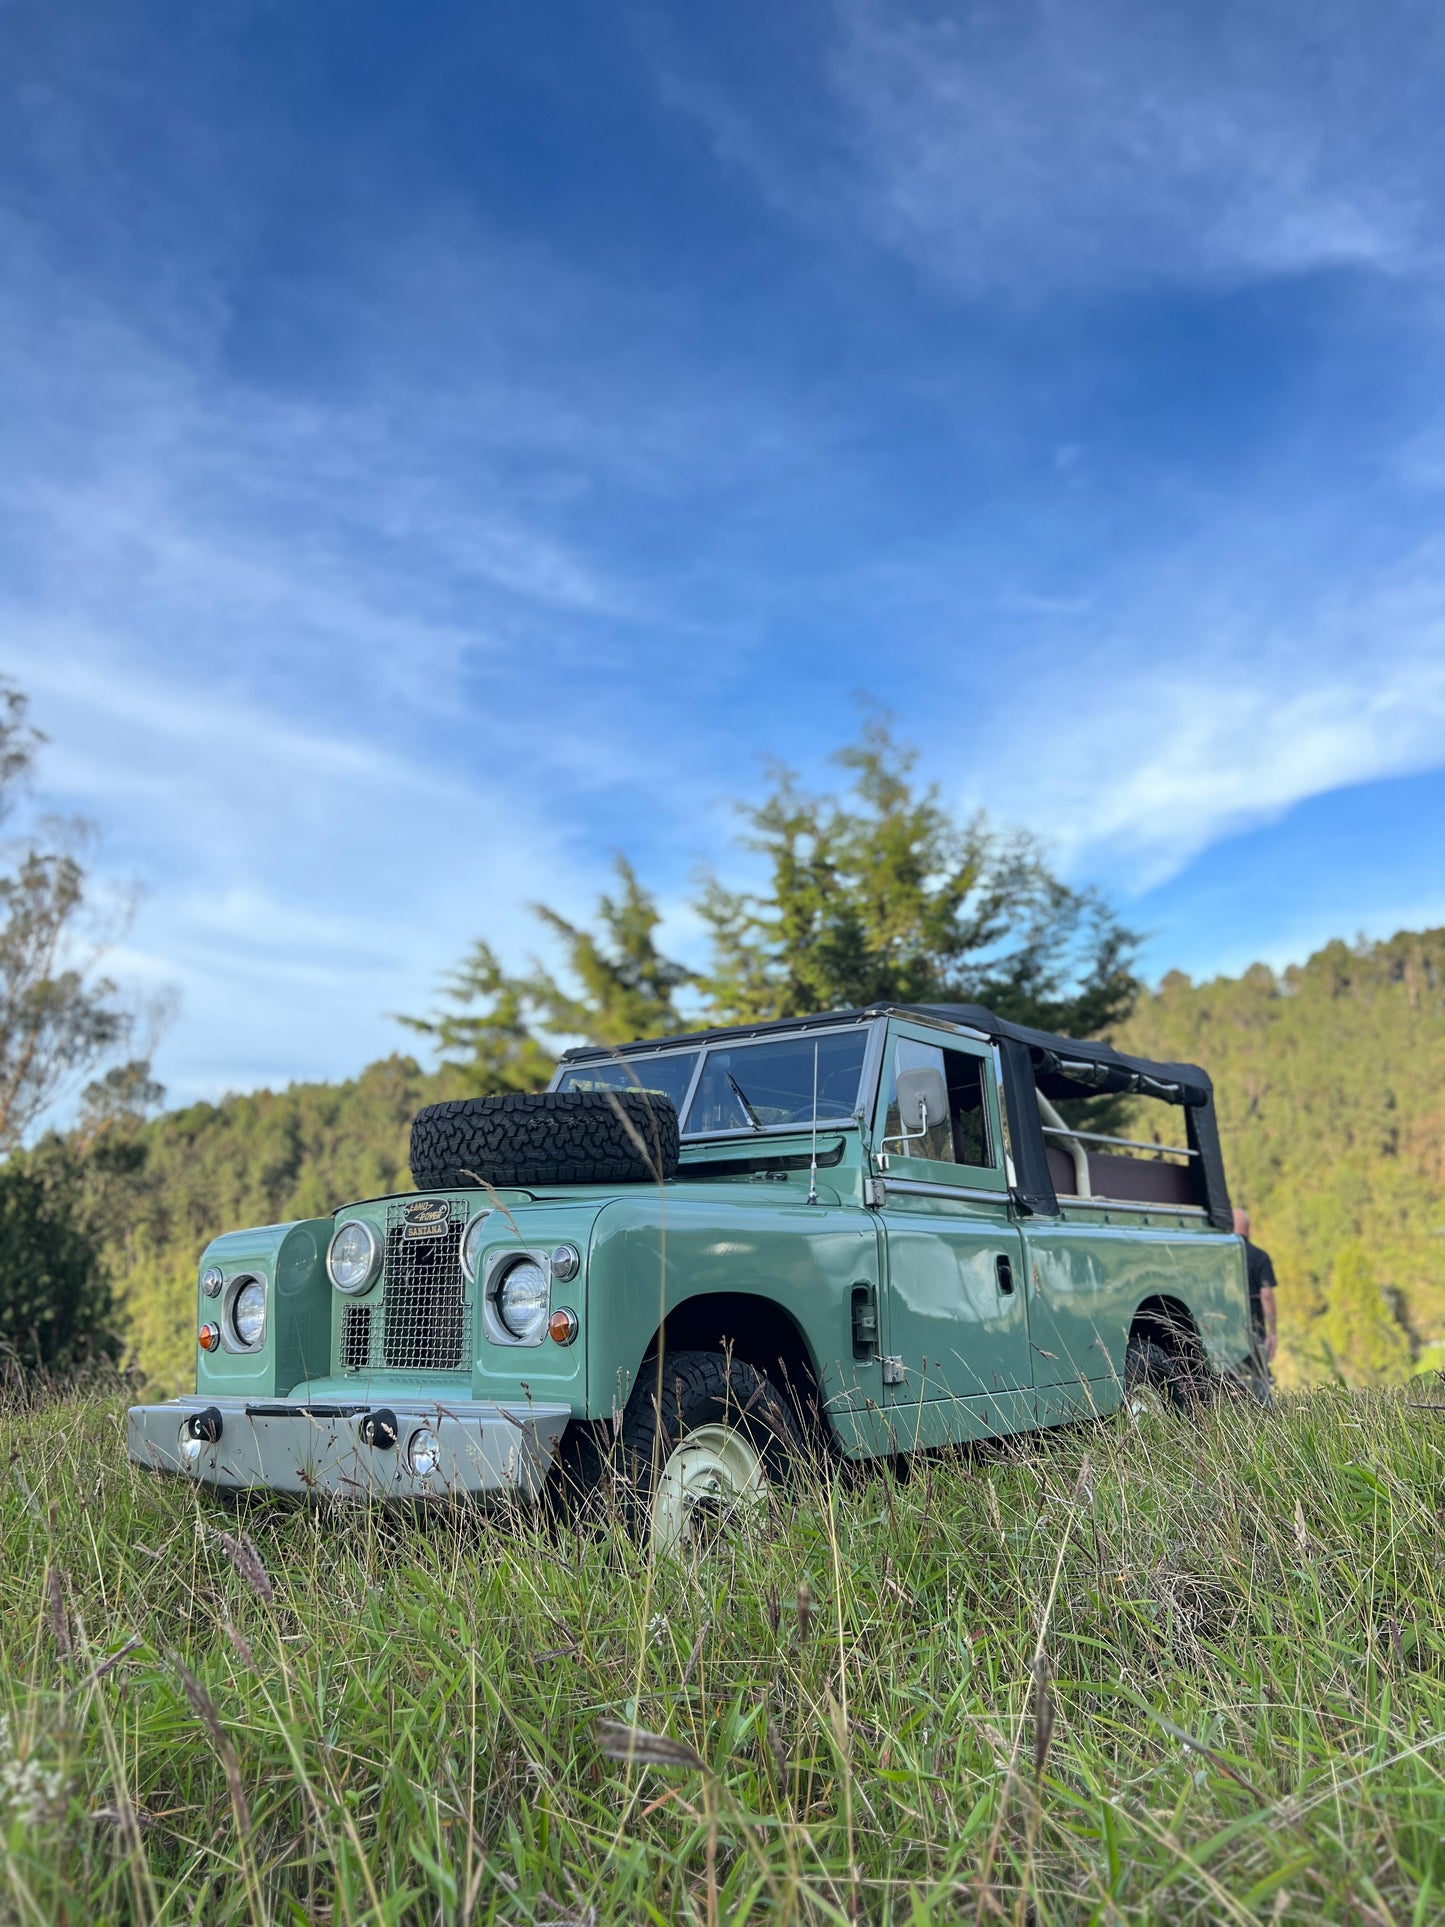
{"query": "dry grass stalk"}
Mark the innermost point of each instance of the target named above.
(242, 1553)
(1043, 1714)
(203, 1707)
(618, 1741)
(108, 1665)
(805, 1609)
(55, 1614)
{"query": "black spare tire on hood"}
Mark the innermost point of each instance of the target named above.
(545, 1137)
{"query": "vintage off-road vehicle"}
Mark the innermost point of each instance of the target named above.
(874, 1226)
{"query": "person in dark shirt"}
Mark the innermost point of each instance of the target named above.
(1262, 1325)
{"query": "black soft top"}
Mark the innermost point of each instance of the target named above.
(1033, 1060)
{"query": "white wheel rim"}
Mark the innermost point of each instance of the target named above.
(1144, 1402)
(715, 1474)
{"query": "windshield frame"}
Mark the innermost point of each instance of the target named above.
(874, 1028)
(632, 1060)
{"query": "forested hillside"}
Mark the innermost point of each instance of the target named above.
(260, 1159)
(1331, 1081)
(1331, 1085)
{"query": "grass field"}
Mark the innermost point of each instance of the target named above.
(1181, 1672)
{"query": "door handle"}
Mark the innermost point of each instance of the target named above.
(1005, 1270)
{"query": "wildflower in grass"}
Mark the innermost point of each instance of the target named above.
(27, 1789)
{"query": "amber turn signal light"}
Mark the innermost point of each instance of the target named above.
(562, 1326)
(209, 1337)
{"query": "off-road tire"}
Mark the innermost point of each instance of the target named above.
(1153, 1374)
(545, 1137)
(697, 1389)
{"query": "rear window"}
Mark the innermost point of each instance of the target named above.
(755, 1087)
(671, 1075)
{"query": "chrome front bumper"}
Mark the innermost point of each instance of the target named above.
(319, 1449)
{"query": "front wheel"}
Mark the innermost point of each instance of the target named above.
(705, 1439)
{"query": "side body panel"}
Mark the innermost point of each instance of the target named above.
(959, 1334)
(651, 1256)
(291, 1260)
(1089, 1271)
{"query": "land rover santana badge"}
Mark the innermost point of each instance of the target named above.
(426, 1218)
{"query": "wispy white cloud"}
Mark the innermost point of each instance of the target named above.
(1147, 756)
(1039, 146)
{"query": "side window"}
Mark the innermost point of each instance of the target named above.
(965, 1135)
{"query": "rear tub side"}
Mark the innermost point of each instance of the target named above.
(651, 1258)
(1090, 1272)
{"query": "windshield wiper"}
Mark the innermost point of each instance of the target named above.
(741, 1096)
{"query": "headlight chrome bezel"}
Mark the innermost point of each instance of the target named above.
(231, 1336)
(503, 1265)
(372, 1269)
(472, 1231)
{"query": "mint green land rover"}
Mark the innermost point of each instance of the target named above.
(868, 1231)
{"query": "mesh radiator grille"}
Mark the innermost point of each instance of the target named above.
(421, 1320)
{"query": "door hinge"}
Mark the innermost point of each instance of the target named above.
(894, 1371)
(875, 1193)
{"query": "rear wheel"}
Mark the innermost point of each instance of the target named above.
(705, 1441)
(1156, 1381)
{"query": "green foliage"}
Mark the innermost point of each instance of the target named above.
(1329, 1078)
(625, 985)
(1147, 1676)
(56, 1310)
(261, 1159)
(878, 895)
(58, 1017)
(881, 896)
(1366, 1343)
(485, 1033)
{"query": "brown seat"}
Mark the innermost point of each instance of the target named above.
(1141, 1180)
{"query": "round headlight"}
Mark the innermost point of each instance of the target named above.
(423, 1452)
(522, 1300)
(212, 1278)
(248, 1314)
(472, 1242)
(354, 1256)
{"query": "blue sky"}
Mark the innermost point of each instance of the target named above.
(442, 444)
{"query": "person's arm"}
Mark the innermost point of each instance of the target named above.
(1271, 1335)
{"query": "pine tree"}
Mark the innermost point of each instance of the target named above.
(625, 986)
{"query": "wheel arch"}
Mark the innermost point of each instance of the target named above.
(753, 1328)
(1172, 1326)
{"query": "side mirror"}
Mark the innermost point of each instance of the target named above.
(922, 1099)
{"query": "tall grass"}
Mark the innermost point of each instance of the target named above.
(1181, 1672)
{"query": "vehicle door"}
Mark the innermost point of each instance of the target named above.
(957, 1362)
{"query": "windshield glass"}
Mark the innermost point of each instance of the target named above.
(751, 1087)
(671, 1075)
